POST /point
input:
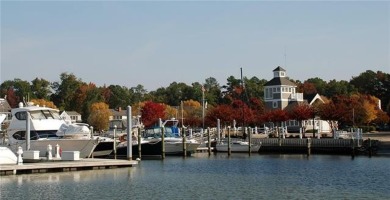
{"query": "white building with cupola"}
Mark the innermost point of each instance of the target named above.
(281, 93)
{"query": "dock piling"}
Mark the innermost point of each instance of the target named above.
(162, 143)
(20, 159)
(229, 149)
(184, 142)
(208, 141)
(139, 144)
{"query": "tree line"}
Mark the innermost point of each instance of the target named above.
(237, 99)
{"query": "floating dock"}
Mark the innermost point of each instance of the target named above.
(64, 166)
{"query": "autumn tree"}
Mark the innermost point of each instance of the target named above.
(43, 103)
(276, 116)
(242, 113)
(192, 113)
(300, 113)
(99, 116)
(307, 88)
(151, 112)
(11, 98)
(225, 113)
(329, 112)
(19, 89)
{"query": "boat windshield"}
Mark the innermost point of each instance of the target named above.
(35, 135)
(44, 114)
(156, 132)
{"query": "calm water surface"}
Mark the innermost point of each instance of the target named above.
(216, 177)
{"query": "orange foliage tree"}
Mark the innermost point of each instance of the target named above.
(99, 116)
(44, 103)
(192, 113)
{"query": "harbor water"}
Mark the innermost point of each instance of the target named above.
(219, 176)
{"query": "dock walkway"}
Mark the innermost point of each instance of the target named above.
(63, 166)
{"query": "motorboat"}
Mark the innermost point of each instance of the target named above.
(44, 123)
(173, 139)
(236, 146)
(82, 131)
(151, 141)
(7, 156)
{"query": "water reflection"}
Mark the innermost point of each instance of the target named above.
(214, 177)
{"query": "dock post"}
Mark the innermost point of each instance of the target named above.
(20, 159)
(129, 131)
(352, 148)
(58, 151)
(369, 148)
(115, 142)
(300, 133)
(250, 140)
(162, 143)
(229, 149)
(184, 142)
(139, 143)
(48, 152)
(308, 147)
(208, 141)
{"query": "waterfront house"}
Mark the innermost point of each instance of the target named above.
(281, 93)
(71, 116)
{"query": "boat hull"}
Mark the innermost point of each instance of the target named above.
(155, 148)
(103, 149)
(237, 148)
(7, 156)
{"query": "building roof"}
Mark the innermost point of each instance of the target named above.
(118, 112)
(4, 106)
(293, 104)
(72, 113)
(279, 69)
(311, 98)
(279, 81)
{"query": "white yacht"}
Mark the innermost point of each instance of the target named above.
(44, 125)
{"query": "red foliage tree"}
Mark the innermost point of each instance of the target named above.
(308, 88)
(301, 112)
(242, 113)
(224, 112)
(12, 99)
(275, 116)
(151, 112)
(330, 113)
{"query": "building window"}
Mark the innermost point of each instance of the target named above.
(268, 93)
(274, 104)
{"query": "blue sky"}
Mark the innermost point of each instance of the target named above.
(156, 43)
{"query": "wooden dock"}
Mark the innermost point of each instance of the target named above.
(313, 146)
(64, 166)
